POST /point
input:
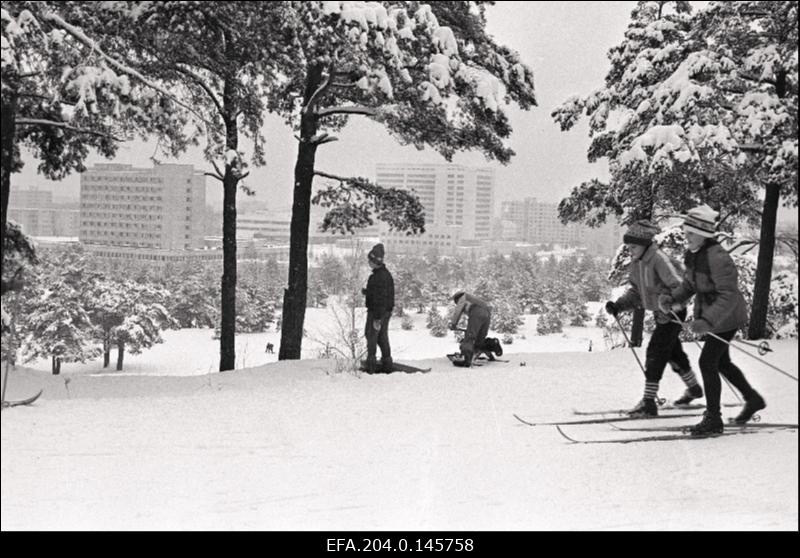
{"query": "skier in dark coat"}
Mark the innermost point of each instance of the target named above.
(380, 303)
(653, 273)
(719, 308)
(479, 316)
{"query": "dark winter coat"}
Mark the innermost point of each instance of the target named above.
(380, 292)
(651, 275)
(712, 276)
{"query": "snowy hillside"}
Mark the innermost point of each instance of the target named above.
(290, 446)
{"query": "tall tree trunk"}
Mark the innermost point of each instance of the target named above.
(227, 336)
(55, 365)
(757, 328)
(120, 354)
(8, 131)
(294, 297)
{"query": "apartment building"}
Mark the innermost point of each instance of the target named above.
(160, 208)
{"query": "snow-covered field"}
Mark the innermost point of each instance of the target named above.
(294, 446)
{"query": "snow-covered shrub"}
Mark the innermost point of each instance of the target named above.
(506, 318)
(406, 322)
(782, 312)
(549, 322)
(508, 339)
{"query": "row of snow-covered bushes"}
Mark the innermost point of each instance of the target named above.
(74, 308)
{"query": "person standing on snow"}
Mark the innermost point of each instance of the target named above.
(380, 303)
(479, 316)
(653, 273)
(719, 309)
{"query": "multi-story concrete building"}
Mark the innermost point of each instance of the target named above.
(538, 223)
(159, 209)
(458, 201)
(39, 216)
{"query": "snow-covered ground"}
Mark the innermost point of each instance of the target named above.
(294, 446)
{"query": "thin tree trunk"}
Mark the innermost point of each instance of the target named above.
(227, 336)
(55, 365)
(8, 131)
(120, 354)
(106, 352)
(757, 328)
(294, 297)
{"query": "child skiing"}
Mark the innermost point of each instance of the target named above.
(719, 310)
(652, 273)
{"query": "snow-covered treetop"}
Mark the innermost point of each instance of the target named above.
(392, 60)
(70, 94)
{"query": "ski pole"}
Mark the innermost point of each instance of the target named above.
(763, 347)
(761, 360)
(659, 400)
(696, 342)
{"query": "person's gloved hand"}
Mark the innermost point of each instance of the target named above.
(451, 326)
(612, 308)
(700, 327)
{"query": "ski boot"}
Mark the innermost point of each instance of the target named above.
(694, 392)
(709, 426)
(493, 343)
(645, 409)
(387, 365)
(753, 404)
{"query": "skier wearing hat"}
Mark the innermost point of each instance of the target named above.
(719, 308)
(653, 273)
(380, 303)
(479, 316)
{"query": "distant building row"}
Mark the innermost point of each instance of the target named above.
(159, 213)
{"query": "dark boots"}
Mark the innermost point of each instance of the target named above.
(753, 404)
(645, 408)
(694, 392)
(387, 365)
(709, 426)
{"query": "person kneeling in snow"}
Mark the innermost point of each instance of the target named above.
(479, 316)
(652, 274)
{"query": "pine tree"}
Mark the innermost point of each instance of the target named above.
(428, 83)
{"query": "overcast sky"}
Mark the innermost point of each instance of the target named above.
(566, 45)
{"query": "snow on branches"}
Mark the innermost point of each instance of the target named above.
(354, 200)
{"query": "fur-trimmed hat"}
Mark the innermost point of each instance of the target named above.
(701, 220)
(376, 254)
(641, 233)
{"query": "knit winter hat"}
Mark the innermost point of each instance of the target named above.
(641, 233)
(376, 254)
(701, 220)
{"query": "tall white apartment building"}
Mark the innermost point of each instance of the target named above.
(457, 199)
(160, 208)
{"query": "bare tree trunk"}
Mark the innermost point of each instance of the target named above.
(106, 352)
(120, 354)
(227, 336)
(294, 296)
(56, 365)
(757, 328)
(8, 131)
